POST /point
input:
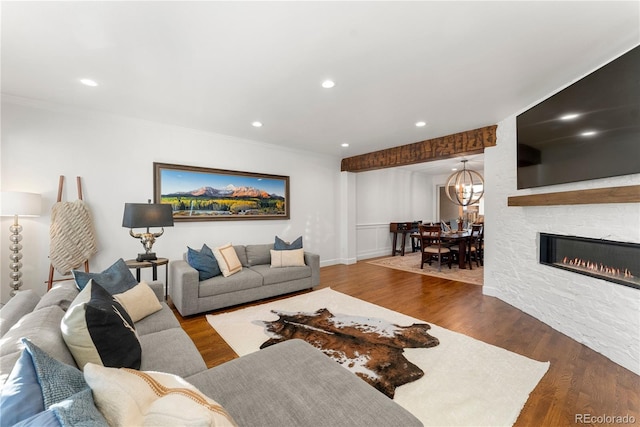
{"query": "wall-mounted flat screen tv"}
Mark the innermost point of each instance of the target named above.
(588, 130)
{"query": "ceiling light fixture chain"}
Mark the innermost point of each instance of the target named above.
(465, 187)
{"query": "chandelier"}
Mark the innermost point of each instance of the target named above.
(465, 187)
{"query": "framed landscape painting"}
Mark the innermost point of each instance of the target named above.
(204, 194)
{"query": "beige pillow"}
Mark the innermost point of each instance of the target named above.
(290, 258)
(227, 260)
(128, 397)
(139, 301)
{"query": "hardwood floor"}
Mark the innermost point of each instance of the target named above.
(579, 380)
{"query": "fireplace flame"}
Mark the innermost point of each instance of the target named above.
(597, 267)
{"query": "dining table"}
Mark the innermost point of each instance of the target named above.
(462, 239)
(459, 237)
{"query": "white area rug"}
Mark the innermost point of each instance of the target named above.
(466, 383)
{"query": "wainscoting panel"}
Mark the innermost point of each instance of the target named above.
(373, 240)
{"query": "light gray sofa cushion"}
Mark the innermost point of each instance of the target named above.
(158, 321)
(42, 327)
(259, 254)
(62, 295)
(245, 279)
(19, 305)
(285, 379)
(280, 275)
(170, 351)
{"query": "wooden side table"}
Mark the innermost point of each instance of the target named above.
(132, 263)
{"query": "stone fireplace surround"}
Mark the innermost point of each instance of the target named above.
(602, 315)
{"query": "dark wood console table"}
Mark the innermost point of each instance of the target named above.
(404, 229)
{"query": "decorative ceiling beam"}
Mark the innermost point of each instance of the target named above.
(456, 145)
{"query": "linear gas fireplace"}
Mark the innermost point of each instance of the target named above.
(617, 262)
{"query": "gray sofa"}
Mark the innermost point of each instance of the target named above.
(257, 280)
(288, 384)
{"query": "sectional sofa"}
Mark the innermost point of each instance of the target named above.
(288, 384)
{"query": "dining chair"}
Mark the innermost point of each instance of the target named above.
(474, 246)
(476, 243)
(431, 245)
(480, 244)
(415, 241)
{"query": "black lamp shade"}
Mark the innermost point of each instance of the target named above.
(143, 215)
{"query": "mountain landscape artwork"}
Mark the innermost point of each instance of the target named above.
(197, 194)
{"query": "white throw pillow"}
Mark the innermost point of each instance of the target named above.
(290, 258)
(228, 260)
(139, 301)
(127, 397)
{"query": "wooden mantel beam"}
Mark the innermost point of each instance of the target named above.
(625, 194)
(459, 144)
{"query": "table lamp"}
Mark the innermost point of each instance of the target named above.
(146, 215)
(18, 203)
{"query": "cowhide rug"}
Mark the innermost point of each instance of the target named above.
(465, 381)
(371, 348)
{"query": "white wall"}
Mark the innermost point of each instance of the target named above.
(114, 156)
(389, 195)
(602, 315)
(348, 249)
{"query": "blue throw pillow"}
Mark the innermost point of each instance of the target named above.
(281, 245)
(42, 391)
(21, 396)
(204, 261)
(46, 418)
(115, 279)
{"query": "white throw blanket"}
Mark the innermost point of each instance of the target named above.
(72, 235)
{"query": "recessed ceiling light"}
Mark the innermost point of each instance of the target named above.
(328, 84)
(421, 124)
(588, 133)
(344, 144)
(89, 82)
(256, 124)
(454, 169)
(570, 116)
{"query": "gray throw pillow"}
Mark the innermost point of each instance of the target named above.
(281, 245)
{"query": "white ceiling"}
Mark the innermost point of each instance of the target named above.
(219, 66)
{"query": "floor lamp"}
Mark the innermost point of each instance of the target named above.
(17, 203)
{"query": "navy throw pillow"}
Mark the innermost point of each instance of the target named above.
(204, 261)
(281, 245)
(98, 329)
